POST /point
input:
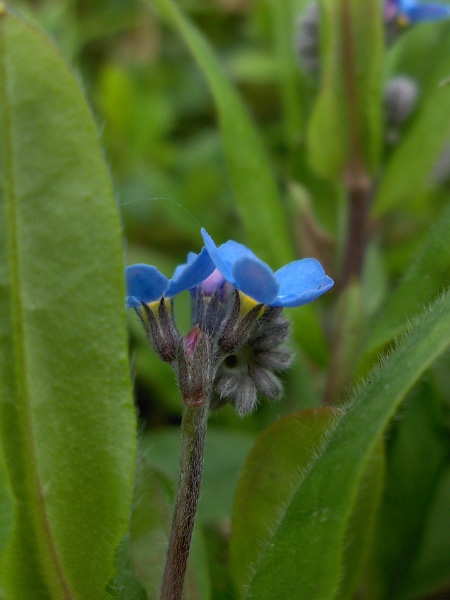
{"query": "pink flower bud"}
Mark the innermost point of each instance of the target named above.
(190, 343)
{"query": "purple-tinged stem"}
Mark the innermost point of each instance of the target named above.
(193, 434)
(357, 180)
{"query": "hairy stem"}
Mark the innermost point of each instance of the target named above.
(193, 434)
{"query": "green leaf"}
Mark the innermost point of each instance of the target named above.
(406, 175)
(417, 450)
(276, 466)
(250, 170)
(125, 585)
(287, 71)
(6, 508)
(361, 524)
(428, 274)
(305, 556)
(67, 422)
(431, 571)
(346, 121)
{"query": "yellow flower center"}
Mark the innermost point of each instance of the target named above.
(154, 306)
(248, 303)
(403, 21)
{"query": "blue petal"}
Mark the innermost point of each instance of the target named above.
(427, 12)
(188, 276)
(301, 281)
(255, 279)
(216, 256)
(225, 256)
(144, 284)
(132, 302)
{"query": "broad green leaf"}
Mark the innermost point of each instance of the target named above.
(305, 556)
(417, 450)
(422, 282)
(407, 173)
(275, 467)
(125, 585)
(345, 125)
(250, 170)
(361, 524)
(6, 508)
(431, 571)
(67, 422)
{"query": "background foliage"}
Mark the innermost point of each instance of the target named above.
(208, 118)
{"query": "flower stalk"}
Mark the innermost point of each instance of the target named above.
(193, 434)
(232, 353)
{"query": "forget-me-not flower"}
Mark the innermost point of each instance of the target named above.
(295, 284)
(413, 11)
(237, 343)
(146, 284)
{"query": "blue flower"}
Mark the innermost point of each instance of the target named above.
(295, 284)
(414, 11)
(146, 284)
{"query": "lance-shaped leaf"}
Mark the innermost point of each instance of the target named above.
(424, 280)
(250, 170)
(305, 557)
(274, 468)
(417, 457)
(345, 125)
(407, 173)
(67, 423)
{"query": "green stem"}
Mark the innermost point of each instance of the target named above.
(193, 434)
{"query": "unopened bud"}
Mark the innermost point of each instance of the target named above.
(307, 40)
(190, 343)
(161, 330)
(195, 367)
(400, 100)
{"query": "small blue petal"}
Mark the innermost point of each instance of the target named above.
(216, 257)
(427, 12)
(255, 279)
(132, 302)
(295, 284)
(416, 11)
(188, 276)
(302, 281)
(144, 284)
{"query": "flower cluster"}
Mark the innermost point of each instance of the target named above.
(237, 343)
